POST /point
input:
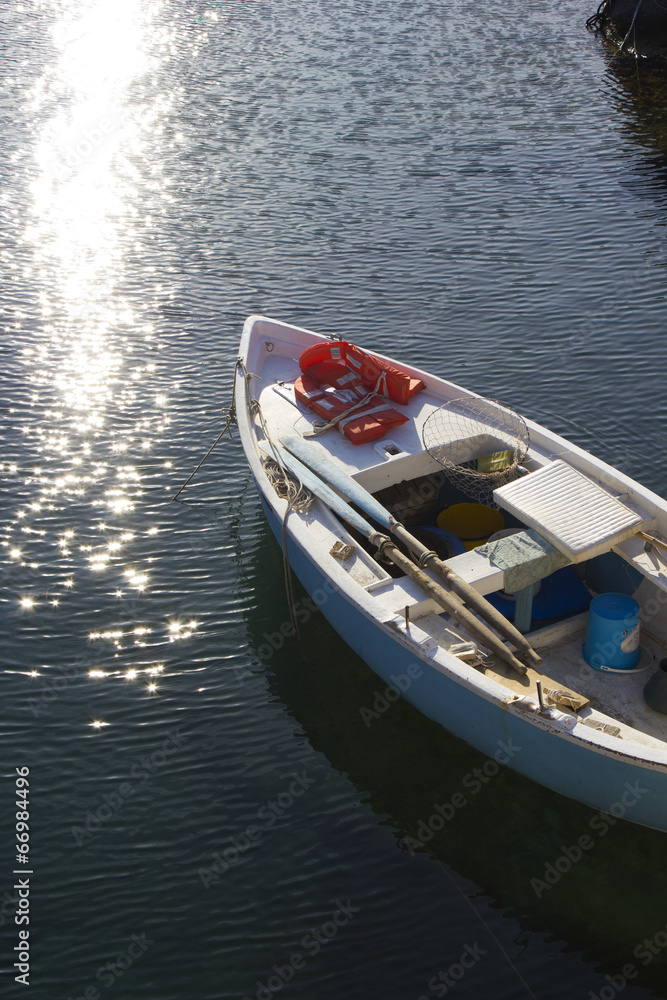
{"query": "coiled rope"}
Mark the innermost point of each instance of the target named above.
(288, 487)
(293, 491)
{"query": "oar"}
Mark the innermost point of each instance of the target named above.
(445, 599)
(335, 476)
(651, 540)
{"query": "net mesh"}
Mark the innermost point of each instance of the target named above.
(479, 442)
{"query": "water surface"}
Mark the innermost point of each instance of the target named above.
(481, 193)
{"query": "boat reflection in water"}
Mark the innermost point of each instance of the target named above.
(553, 865)
(638, 27)
(640, 95)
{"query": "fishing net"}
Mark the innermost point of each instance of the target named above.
(479, 442)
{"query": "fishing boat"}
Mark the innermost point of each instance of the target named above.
(508, 584)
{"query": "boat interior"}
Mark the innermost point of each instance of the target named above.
(609, 700)
(587, 512)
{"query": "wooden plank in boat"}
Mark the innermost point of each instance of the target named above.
(554, 693)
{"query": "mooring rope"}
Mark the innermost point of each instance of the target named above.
(632, 24)
(298, 499)
(229, 423)
(287, 486)
(599, 17)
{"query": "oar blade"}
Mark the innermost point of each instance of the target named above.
(335, 476)
(324, 493)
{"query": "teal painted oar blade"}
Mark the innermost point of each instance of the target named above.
(335, 476)
(335, 503)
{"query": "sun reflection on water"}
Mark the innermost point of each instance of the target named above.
(91, 153)
(97, 412)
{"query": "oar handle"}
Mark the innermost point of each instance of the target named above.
(467, 592)
(448, 601)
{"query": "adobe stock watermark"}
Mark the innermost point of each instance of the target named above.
(304, 609)
(646, 951)
(600, 824)
(473, 781)
(312, 942)
(268, 815)
(446, 979)
(55, 683)
(108, 973)
(382, 700)
(112, 802)
(86, 143)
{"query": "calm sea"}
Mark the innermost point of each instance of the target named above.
(477, 188)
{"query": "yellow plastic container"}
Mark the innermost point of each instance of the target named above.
(471, 522)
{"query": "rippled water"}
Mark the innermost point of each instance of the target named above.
(480, 191)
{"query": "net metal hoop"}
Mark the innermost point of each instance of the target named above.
(469, 428)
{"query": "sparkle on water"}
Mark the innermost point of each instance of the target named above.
(82, 229)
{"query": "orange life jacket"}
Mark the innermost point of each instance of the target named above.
(338, 375)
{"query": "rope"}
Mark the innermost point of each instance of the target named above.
(288, 487)
(425, 559)
(229, 423)
(320, 428)
(382, 545)
(293, 493)
(489, 930)
(632, 24)
(289, 583)
(601, 19)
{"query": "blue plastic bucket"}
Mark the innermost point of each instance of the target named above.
(612, 635)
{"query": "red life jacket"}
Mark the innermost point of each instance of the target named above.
(337, 375)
